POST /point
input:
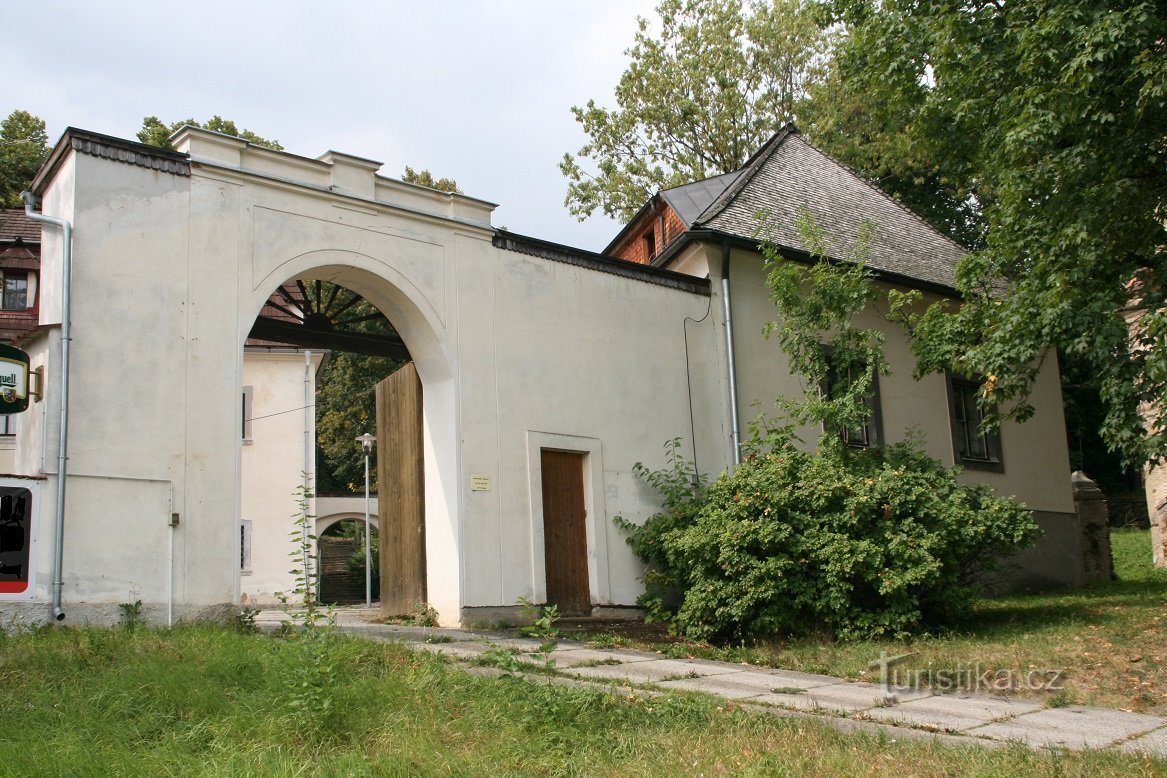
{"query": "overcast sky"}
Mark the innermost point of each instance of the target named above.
(477, 91)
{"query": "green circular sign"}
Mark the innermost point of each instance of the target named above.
(13, 379)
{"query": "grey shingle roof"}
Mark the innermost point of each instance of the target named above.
(788, 172)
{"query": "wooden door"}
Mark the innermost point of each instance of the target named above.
(401, 492)
(565, 540)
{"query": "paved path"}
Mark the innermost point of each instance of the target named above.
(960, 718)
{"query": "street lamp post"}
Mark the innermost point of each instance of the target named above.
(367, 442)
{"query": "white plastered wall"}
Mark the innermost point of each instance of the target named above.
(1035, 454)
(273, 462)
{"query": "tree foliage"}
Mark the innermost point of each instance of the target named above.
(426, 178)
(696, 100)
(816, 327)
(23, 149)
(1056, 112)
(346, 406)
(871, 135)
(155, 132)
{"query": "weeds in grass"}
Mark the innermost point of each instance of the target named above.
(244, 620)
(504, 659)
(606, 640)
(598, 662)
(131, 615)
(313, 672)
(542, 619)
(424, 615)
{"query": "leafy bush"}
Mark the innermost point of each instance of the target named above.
(854, 543)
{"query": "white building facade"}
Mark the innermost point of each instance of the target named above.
(521, 347)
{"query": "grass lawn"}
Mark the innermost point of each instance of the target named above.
(201, 700)
(1107, 642)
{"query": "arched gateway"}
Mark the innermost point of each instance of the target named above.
(520, 347)
(544, 374)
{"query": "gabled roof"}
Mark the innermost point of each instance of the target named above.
(787, 173)
(14, 225)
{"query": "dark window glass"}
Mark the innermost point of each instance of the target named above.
(15, 291)
(973, 448)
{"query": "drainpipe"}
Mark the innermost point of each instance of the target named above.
(309, 409)
(730, 366)
(63, 441)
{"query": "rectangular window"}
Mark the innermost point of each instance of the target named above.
(972, 448)
(15, 296)
(649, 245)
(245, 547)
(246, 416)
(865, 435)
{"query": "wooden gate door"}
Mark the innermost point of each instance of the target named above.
(401, 492)
(565, 542)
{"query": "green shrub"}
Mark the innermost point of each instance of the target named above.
(856, 543)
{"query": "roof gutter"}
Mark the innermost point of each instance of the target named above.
(63, 440)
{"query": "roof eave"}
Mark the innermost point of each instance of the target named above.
(796, 254)
(74, 139)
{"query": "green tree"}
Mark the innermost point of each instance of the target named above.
(1056, 110)
(346, 403)
(425, 178)
(695, 101)
(23, 149)
(871, 136)
(155, 132)
(346, 408)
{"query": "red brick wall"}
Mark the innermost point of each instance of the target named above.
(634, 248)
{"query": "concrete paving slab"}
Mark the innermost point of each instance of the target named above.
(1072, 727)
(1153, 743)
(573, 657)
(847, 696)
(793, 679)
(732, 686)
(794, 701)
(952, 712)
(653, 671)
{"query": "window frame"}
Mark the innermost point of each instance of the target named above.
(7, 275)
(873, 429)
(245, 546)
(248, 411)
(957, 386)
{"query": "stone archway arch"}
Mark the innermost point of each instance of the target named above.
(407, 305)
(324, 523)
